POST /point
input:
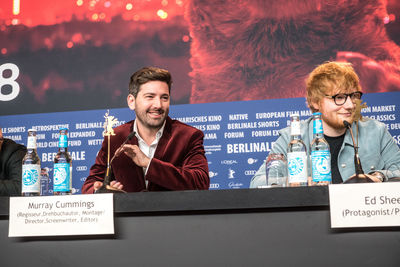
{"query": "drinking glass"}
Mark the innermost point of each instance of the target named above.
(276, 170)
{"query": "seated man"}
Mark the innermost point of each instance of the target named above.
(164, 154)
(11, 155)
(333, 89)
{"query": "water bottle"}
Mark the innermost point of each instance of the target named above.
(31, 168)
(276, 170)
(297, 155)
(62, 178)
(320, 154)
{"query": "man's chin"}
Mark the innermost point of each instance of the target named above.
(156, 123)
(338, 124)
(349, 120)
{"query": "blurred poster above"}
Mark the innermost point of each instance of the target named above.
(78, 55)
(249, 50)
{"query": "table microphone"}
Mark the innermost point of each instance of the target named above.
(126, 140)
(106, 188)
(359, 177)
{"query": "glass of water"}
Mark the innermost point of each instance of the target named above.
(276, 170)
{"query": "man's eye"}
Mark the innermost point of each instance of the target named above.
(340, 97)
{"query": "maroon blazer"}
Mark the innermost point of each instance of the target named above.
(179, 161)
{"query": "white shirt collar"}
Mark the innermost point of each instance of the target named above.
(158, 134)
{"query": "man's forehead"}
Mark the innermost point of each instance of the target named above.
(154, 87)
(341, 90)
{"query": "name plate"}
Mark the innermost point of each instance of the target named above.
(364, 205)
(61, 215)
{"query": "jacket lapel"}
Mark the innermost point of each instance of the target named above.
(162, 144)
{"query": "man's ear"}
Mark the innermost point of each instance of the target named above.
(130, 99)
(315, 105)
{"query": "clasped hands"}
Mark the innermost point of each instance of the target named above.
(137, 156)
(375, 177)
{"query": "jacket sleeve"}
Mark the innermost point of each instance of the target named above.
(11, 185)
(390, 154)
(190, 174)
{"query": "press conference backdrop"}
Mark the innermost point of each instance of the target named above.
(238, 135)
(238, 69)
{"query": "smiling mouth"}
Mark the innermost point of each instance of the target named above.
(156, 113)
(347, 115)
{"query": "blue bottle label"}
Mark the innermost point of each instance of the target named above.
(30, 178)
(63, 141)
(297, 167)
(321, 166)
(318, 127)
(62, 177)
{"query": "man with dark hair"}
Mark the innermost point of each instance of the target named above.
(148, 74)
(333, 89)
(164, 154)
(11, 155)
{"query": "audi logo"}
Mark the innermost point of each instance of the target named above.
(81, 168)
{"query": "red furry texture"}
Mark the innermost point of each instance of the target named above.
(256, 49)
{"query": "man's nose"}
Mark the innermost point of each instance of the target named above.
(157, 102)
(349, 104)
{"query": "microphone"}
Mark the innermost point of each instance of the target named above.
(359, 177)
(106, 188)
(357, 162)
(126, 140)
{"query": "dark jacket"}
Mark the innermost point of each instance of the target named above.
(11, 155)
(179, 161)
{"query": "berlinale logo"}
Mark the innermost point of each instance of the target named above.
(231, 174)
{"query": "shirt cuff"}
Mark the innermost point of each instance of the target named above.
(379, 175)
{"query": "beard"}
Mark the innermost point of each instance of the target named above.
(337, 123)
(149, 122)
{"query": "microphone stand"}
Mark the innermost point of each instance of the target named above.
(106, 188)
(359, 177)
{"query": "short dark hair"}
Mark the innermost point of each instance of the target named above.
(148, 74)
